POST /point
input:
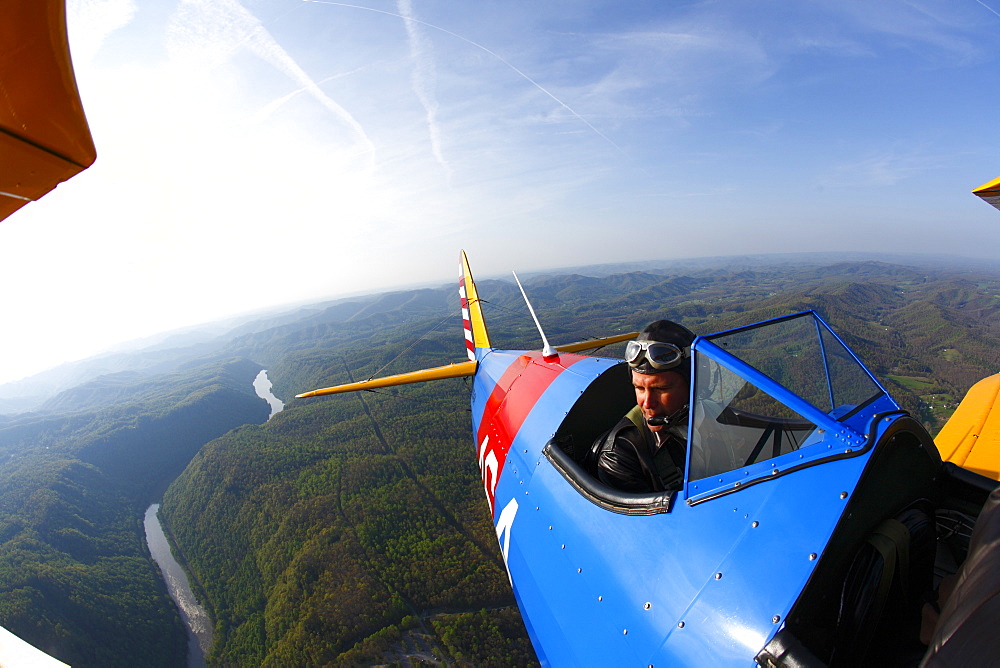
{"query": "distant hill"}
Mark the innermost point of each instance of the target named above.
(170, 350)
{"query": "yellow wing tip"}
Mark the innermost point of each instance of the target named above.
(458, 370)
(989, 188)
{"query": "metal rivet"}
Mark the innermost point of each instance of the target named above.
(550, 528)
(536, 507)
(600, 598)
(812, 557)
(680, 625)
(525, 452)
(647, 606)
(755, 524)
(776, 619)
(718, 576)
(564, 546)
(579, 570)
(624, 632)
(843, 495)
(848, 451)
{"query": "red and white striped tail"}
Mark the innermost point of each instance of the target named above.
(470, 347)
(476, 335)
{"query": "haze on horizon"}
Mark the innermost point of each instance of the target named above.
(265, 152)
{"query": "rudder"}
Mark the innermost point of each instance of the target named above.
(476, 335)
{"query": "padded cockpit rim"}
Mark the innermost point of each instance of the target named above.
(606, 497)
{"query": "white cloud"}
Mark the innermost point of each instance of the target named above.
(424, 78)
(887, 167)
(205, 34)
(90, 22)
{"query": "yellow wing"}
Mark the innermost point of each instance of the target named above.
(971, 437)
(437, 373)
(457, 370)
(990, 192)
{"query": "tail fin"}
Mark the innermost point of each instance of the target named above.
(476, 335)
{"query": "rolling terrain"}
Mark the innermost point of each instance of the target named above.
(351, 530)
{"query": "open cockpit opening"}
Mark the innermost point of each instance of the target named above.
(571, 449)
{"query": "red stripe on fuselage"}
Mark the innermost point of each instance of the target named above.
(512, 398)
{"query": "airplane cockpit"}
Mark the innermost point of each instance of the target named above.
(765, 399)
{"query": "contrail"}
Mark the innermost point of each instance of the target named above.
(274, 105)
(482, 48)
(988, 7)
(228, 24)
(423, 81)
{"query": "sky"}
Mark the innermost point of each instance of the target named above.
(261, 152)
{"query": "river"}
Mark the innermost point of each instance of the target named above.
(262, 386)
(194, 616)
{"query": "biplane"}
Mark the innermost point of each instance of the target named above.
(815, 521)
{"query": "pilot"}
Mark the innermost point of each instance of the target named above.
(645, 451)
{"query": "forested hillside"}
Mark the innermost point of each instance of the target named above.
(350, 528)
(75, 576)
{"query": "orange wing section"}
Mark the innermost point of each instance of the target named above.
(590, 344)
(44, 136)
(990, 192)
(971, 437)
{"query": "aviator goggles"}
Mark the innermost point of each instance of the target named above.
(660, 356)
